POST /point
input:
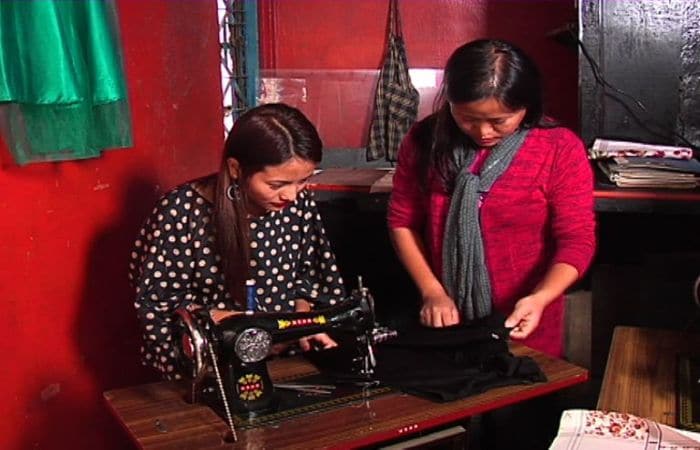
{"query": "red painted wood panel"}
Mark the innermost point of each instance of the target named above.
(69, 330)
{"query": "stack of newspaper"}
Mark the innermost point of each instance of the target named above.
(633, 164)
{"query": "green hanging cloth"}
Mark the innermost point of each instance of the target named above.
(62, 89)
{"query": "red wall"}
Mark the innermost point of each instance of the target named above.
(69, 330)
(333, 49)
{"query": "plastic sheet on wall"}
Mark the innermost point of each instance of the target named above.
(291, 91)
(339, 102)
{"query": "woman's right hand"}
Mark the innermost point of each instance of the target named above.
(439, 310)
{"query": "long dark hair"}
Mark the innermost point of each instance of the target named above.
(475, 71)
(266, 135)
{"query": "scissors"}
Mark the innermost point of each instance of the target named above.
(325, 389)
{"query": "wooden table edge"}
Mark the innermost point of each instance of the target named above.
(456, 416)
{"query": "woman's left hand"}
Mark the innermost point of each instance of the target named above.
(525, 316)
(320, 341)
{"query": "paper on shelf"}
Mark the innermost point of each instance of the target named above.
(607, 148)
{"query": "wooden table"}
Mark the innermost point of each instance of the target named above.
(363, 181)
(640, 376)
(608, 198)
(157, 417)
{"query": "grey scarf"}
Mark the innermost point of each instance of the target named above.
(464, 272)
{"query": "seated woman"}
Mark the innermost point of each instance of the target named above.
(253, 220)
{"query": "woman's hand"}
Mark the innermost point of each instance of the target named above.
(439, 310)
(315, 341)
(525, 316)
(528, 310)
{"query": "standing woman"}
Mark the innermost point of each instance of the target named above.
(253, 220)
(492, 205)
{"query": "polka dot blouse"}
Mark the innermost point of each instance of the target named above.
(175, 263)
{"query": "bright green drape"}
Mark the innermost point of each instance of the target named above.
(62, 85)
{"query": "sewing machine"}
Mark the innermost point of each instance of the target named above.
(227, 360)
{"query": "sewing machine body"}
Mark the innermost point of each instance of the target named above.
(230, 357)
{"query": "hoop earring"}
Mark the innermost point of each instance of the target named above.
(233, 192)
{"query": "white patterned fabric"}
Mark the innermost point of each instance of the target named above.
(601, 430)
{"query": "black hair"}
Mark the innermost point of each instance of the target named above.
(266, 135)
(475, 71)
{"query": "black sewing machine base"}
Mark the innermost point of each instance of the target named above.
(290, 403)
(689, 392)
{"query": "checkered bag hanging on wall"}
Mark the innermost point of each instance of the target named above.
(396, 100)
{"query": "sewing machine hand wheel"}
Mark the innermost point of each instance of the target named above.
(193, 345)
(253, 345)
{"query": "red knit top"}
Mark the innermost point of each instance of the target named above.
(539, 212)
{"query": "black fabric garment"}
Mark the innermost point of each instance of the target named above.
(441, 364)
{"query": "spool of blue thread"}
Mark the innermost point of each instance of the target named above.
(250, 295)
